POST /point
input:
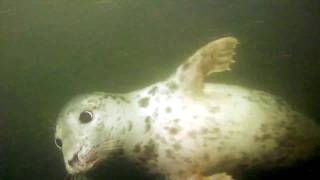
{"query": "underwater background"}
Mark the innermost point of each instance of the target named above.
(52, 50)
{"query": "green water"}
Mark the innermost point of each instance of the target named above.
(52, 50)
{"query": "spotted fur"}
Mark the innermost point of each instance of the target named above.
(184, 128)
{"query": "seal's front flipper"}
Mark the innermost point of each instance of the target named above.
(213, 57)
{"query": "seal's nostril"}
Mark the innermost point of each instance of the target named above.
(74, 160)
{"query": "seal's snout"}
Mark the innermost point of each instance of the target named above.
(81, 161)
(74, 160)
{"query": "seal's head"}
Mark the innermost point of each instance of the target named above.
(85, 131)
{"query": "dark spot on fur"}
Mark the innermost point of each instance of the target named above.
(124, 99)
(215, 130)
(137, 148)
(129, 126)
(169, 154)
(265, 100)
(262, 138)
(187, 160)
(192, 134)
(176, 121)
(204, 130)
(123, 130)
(205, 144)
(109, 96)
(144, 102)
(150, 150)
(120, 152)
(163, 140)
(143, 159)
(181, 172)
(250, 98)
(160, 139)
(227, 136)
(214, 109)
(282, 104)
(172, 86)
(211, 138)
(153, 90)
(147, 122)
(173, 130)
(177, 146)
(168, 109)
(116, 97)
(280, 101)
(296, 116)
(263, 128)
(206, 157)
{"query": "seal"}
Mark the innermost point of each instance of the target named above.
(184, 128)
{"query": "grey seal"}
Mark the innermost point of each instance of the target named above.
(184, 128)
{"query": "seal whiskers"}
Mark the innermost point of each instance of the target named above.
(102, 151)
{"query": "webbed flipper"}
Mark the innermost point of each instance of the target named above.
(216, 56)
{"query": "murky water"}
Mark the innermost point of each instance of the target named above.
(53, 50)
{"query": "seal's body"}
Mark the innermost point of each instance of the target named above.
(184, 128)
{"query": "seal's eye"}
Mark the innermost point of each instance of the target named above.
(85, 116)
(58, 142)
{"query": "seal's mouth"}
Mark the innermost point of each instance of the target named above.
(81, 163)
(88, 158)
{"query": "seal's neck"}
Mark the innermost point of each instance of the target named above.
(136, 121)
(120, 123)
